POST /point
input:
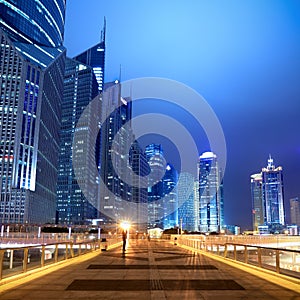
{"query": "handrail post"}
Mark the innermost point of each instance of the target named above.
(2, 251)
(56, 253)
(79, 249)
(277, 261)
(43, 256)
(66, 254)
(259, 257)
(25, 259)
(225, 251)
(246, 254)
(234, 252)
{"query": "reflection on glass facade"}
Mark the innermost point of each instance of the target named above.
(31, 85)
(39, 22)
(80, 87)
(210, 194)
(188, 210)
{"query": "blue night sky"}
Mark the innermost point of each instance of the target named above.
(243, 57)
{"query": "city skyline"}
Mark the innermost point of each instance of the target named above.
(242, 57)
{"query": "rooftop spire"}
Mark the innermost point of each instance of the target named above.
(103, 31)
(270, 163)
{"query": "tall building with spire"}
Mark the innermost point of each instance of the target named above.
(272, 189)
(83, 82)
(211, 203)
(31, 85)
(267, 198)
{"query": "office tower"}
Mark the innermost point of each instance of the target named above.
(34, 22)
(95, 58)
(83, 82)
(272, 189)
(257, 201)
(170, 197)
(74, 205)
(138, 162)
(116, 137)
(210, 193)
(157, 163)
(187, 210)
(31, 68)
(295, 211)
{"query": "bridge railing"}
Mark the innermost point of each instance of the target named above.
(279, 260)
(17, 260)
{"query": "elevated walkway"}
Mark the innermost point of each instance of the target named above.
(148, 270)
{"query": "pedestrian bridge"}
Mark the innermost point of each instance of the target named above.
(156, 269)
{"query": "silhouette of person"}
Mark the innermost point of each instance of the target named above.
(124, 237)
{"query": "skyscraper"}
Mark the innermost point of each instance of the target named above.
(188, 209)
(34, 22)
(157, 163)
(138, 162)
(116, 137)
(257, 201)
(31, 68)
(170, 197)
(272, 189)
(295, 211)
(80, 88)
(83, 82)
(211, 204)
(95, 58)
(267, 198)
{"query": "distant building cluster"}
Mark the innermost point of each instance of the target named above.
(43, 96)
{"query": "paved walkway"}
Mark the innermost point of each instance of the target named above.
(148, 270)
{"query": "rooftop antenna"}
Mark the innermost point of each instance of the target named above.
(103, 31)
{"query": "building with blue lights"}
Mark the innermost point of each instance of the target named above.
(211, 203)
(77, 204)
(31, 75)
(157, 163)
(39, 22)
(257, 201)
(267, 198)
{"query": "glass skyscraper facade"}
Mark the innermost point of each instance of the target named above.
(156, 161)
(257, 201)
(170, 197)
(211, 204)
(39, 22)
(267, 198)
(79, 203)
(188, 202)
(138, 162)
(31, 75)
(116, 136)
(80, 88)
(272, 188)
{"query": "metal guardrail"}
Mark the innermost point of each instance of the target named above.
(280, 260)
(17, 260)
